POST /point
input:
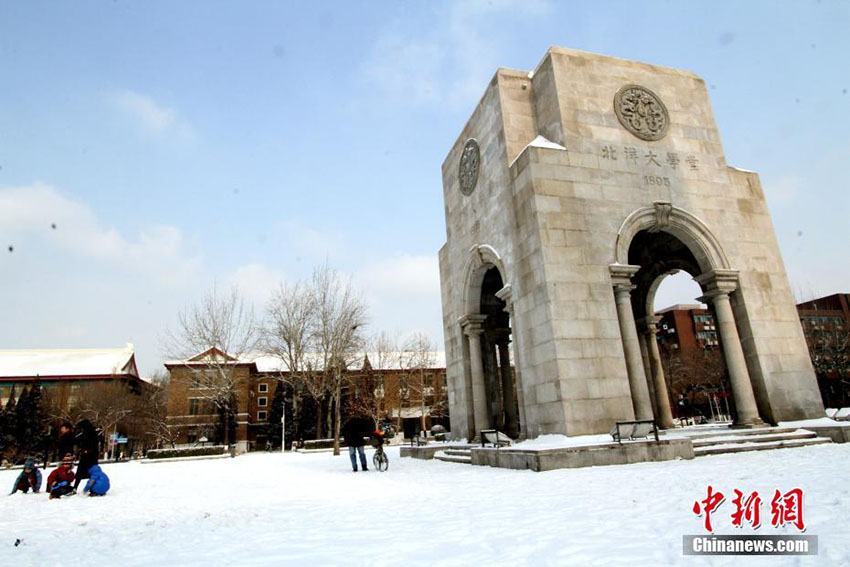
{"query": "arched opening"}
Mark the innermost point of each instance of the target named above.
(499, 382)
(492, 392)
(684, 365)
(651, 243)
(687, 339)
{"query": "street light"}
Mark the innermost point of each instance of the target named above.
(283, 426)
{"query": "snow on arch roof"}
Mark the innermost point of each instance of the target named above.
(29, 363)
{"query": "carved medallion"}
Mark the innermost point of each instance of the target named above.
(468, 170)
(641, 112)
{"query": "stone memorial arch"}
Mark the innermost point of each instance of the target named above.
(572, 191)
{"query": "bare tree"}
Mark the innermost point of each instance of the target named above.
(829, 348)
(341, 316)
(212, 338)
(693, 377)
(291, 324)
(418, 359)
(152, 417)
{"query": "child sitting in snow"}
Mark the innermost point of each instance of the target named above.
(30, 478)
(59, 481)
(98, 483)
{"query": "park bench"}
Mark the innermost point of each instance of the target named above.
(495, 438)
(638, 429)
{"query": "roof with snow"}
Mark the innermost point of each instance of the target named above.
(66, 363)
(681, 307)
(270, 363)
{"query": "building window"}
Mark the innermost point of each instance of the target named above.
(192, 437)
(263, 388)
(262, 415)
(262, 402)
(193, 407)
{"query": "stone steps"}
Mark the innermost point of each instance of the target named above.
(733, 437)
(463, 456)
(759, 443)
(729, 431)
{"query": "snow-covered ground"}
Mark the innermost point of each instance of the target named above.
(297, 509)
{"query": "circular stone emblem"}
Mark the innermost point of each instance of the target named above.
(641, 112)
(470, 159)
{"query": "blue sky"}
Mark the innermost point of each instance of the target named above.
(175, 145)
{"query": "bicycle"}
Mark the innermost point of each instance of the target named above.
(379, 460)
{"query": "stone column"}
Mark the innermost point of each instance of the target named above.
(621, 278)
(644, 355)
(719, 284)
(505, 295)
(663, 413)
(472, 329)
(508, 401)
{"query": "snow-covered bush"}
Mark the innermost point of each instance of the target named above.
(185, 452)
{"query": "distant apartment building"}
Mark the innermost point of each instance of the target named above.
(62, 373)
(826, 314)
(410, 398)
(686, 328)
(826, 326)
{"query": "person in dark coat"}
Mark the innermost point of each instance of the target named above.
(98, 483)
(355, 431)
(29, 479)
(59, 481)
(87, 443)
(65, 441)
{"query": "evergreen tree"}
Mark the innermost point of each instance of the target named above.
(31, 421)
(8, 440)
(20, 421)
(5, 425)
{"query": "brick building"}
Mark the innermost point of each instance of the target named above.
(826, 326)
(686, 328)
(63, 372)
(830, 313)
(379, 385)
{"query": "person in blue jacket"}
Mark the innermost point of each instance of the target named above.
(98, 483)
(29, 479)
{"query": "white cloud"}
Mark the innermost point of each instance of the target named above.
(782, 191)
(403, 295)
(28, 213)
(151, 116)
(256, 283)
(450, 64)
(309, 242)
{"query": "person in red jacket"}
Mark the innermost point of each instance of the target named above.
(59, 481)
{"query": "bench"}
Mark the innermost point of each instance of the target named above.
(638, 429)
(495, 438)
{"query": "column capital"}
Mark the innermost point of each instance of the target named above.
(719, 280)
(647, 324)
(471, 324)
(621, 276)
(505, 293)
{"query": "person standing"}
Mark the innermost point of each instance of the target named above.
(65, 441)
(355, 431)
(87, 442)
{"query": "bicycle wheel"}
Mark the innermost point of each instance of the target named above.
(380, 461)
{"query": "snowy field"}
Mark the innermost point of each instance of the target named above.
(296, 509)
